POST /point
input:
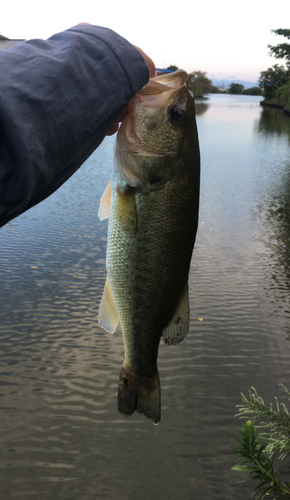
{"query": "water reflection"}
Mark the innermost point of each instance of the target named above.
(272, 208)
(272, 121)
(201, 106)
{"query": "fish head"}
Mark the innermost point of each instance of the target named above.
(158, 133)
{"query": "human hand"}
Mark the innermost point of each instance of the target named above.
(153, 73)
(148, 61)
(152, 69)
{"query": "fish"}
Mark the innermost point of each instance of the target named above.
(152, 202)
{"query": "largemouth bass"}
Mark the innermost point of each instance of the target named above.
(152, 204)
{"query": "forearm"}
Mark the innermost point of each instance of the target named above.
(58, 99)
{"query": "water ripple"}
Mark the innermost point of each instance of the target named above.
(61, 435)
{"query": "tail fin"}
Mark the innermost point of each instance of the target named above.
(141, 394)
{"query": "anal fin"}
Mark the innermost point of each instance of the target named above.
(108, 315)
(177, 328)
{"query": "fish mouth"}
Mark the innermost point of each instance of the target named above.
(161, 83)
(157, 93)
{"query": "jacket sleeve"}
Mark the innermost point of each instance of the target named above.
(58, 99)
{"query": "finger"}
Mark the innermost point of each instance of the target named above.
(113, 129)
(148, 61)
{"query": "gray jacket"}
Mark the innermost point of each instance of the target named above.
(58, 99)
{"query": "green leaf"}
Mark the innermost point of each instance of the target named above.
(244, 468)
(275, 419)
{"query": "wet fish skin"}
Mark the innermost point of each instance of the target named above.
(152, 227)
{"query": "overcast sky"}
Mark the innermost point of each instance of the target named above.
(226, 39)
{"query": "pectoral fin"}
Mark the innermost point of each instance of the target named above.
(104, 208)
(108, 315)
(126, 209)
(177, 329)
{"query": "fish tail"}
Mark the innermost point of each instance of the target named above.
(141, 394)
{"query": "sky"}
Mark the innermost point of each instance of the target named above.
(226, 39)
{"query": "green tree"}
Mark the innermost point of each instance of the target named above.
(236, 88)
(273, 78)
(283, 95)
(215, 90)
(282, 50)
(199, 83)
(253, 91)
(172, 67)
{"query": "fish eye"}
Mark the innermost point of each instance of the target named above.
(175, 113)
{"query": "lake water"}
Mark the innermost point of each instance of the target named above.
(61, 436)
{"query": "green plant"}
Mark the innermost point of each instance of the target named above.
(253, 91)
(259, 458)
(199, 83)
(273, 78)
(281, 51)
(283, 95)
(236, 88)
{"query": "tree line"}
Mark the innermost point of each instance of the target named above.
(201, 84)
(274, 83)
